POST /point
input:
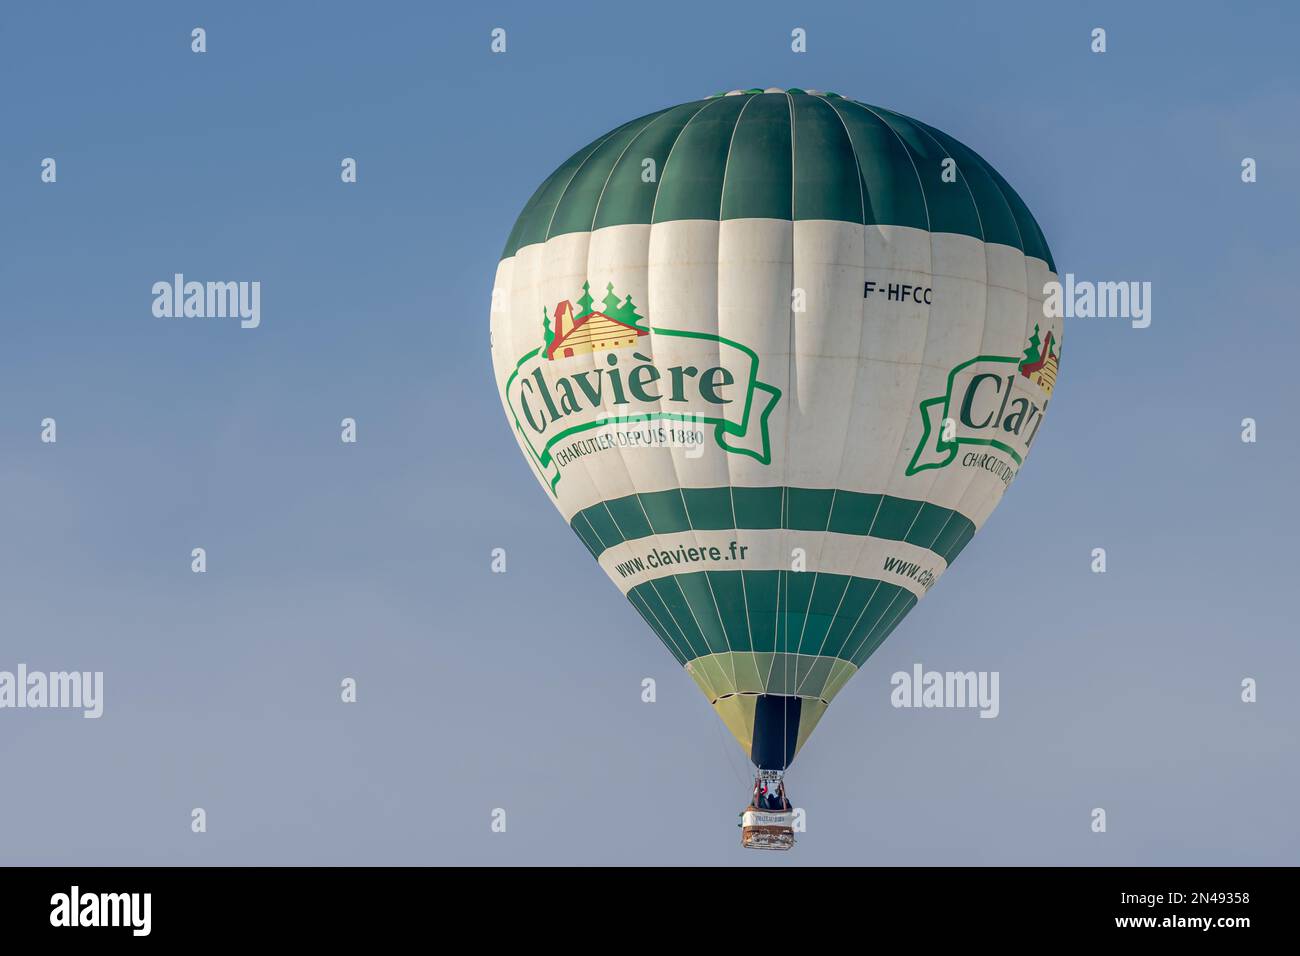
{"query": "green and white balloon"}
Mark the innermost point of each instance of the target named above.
(775, 355)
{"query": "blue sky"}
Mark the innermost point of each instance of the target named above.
(372, 561)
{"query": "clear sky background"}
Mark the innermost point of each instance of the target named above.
(481, 690)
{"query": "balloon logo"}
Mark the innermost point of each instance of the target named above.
(775, 356)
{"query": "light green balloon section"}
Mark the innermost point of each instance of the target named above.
(775, 356)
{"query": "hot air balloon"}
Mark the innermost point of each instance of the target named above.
(775, 355)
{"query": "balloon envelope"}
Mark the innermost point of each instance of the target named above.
(775, 356)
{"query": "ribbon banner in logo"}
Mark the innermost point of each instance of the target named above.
(560, 404)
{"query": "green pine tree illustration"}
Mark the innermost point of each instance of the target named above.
(585, 302)
(1031, 352)
(611, 301)
(627, 313)
(548, 333)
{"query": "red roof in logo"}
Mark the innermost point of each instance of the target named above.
(566, 325)
(1030, 368)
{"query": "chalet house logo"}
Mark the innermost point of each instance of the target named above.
(1040, 366)
(616, 326)
(983, 411)
(566, 395)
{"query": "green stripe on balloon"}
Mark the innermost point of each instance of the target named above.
(610, 523)
(702, 613)
(778, 156)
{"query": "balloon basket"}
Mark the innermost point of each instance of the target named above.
(768, 822)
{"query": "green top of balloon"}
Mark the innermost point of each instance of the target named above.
(778, 154)
(773, 89)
